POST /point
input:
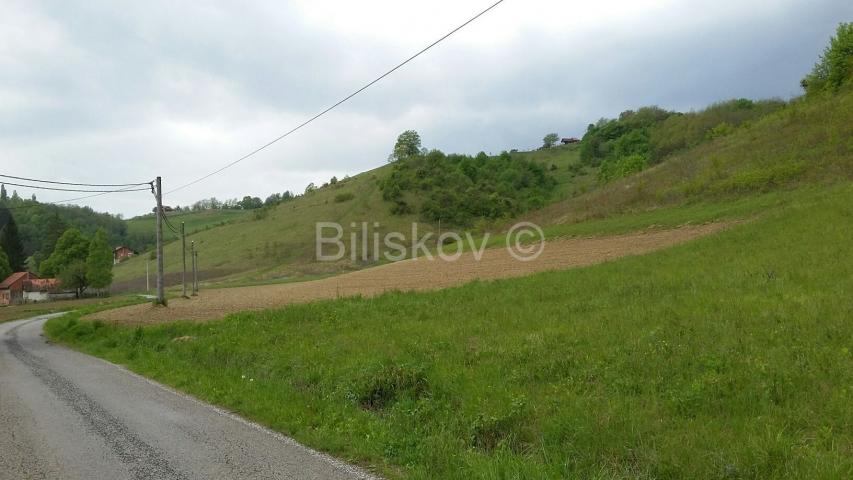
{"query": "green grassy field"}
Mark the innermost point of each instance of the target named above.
(726, 357)
(143, 227)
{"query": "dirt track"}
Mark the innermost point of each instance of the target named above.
(417, 274)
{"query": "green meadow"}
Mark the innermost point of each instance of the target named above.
(726, 357)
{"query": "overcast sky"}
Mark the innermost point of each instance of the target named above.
(115, 92)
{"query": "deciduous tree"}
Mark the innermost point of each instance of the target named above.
(99, 263)
(550, 140)
(408, 145)
(71, 247)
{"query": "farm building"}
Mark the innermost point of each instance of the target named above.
(26, 287)
(570, 140)
(122, 253)
(12, 288)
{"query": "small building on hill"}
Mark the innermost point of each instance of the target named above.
(122, 253)
(12, 288)
(569, 140)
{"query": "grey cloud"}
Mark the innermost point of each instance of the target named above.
(125, 73)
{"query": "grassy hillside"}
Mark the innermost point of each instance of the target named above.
(279, 243)
(140, 230)
(803, 142)
(727, 357)
(806, 142)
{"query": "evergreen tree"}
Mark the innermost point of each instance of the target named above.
(5, 268)
(10, 242)
(99, 263)
(3, 195)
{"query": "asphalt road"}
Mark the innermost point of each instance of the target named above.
(66, 415)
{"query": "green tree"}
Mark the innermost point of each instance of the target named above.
(250, 203)
(835, 66)
(3, 195)
(71, 247)
(5, 268)
(99, 263)
(73, 276)
(408, 145)
(10, 242)
(550, 140)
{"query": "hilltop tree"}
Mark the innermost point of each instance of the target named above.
(99, 263)
(3, 195)
(835, 66)
(10, 242)
(550, 140)
(250, 203)
(72, 247)
(5, 268)
(408, 145)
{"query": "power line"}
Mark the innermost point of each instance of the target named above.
(169, 223)
(57, 202)
(340, 102)
(76, 184)
(57, 189)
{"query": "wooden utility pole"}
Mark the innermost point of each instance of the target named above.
(193, 257)
(196, 272)
(161, 293)
(184, 257)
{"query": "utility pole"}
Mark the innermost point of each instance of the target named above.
(161, 294)
(193, 257)
(196, 272)
(184, 257)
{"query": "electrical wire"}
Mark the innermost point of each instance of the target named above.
(68, 200)
(340, 102)
(75, 184)
(169, 223)
(58, 189)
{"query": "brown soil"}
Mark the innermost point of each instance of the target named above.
(417, 274)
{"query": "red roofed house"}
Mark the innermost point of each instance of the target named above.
(122, 253)
(12, 288)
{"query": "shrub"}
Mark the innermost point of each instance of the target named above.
(835, 65)
(380, 389)
(344, 197)
(458, 189)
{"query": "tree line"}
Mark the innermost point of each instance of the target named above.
(77, 260)
(38, 227)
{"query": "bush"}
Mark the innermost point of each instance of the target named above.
(344, 197)
(380, 389)
(458, 189)
(685, 130)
